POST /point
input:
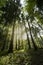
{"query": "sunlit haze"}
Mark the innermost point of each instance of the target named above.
(22, 2)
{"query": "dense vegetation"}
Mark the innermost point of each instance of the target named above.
(21, 32)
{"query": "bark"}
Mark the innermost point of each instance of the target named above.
(34, 44)
(16, 40)
(40, 26)
(5, 40)
(16, 44)
(21, 37)
(27, 37)
(12, 38)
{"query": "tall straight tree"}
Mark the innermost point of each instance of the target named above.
(11, 11)
(34, 11)
(23, 21)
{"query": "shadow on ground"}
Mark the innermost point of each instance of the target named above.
(37, 57)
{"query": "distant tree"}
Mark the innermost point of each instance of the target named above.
(23, 21)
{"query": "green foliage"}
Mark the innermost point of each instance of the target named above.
(10, 11)
(31, 10)
(2, 2)
(29, 57)
(30, 4)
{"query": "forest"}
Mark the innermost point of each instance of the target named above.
(21, 32)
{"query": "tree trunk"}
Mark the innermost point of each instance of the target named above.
(40, 26)
(34, 44)
(12, 38)
(21, 37)
(27, 37)
(16, 44)
(5, 40)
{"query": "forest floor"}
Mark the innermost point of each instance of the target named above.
(30, 57)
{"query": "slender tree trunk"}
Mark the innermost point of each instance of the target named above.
(5, 40)
(15, 38)
(12, 38)
(38, 40)
(34, 44)
(40, 26)
(21, 36)
(16, 43)
(27, 37)
(18, 38)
